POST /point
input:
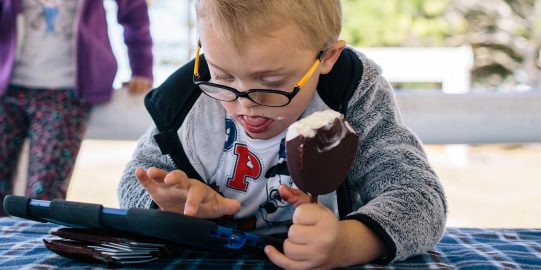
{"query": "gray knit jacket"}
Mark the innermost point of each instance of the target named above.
(395, 191)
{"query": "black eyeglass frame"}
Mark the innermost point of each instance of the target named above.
(246, 94)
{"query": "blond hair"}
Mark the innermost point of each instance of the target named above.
(237, 20)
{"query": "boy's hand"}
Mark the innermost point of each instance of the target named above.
(311, 240)
(175, 192)
(317, 240)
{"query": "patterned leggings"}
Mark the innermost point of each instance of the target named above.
(55, 122)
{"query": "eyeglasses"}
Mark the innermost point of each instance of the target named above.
(265, 97)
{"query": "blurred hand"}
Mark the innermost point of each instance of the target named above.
(174, 191)
(138, 85)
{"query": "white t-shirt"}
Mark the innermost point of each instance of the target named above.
(44, 46)
(251, 171)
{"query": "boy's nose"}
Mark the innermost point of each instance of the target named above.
(246, 102)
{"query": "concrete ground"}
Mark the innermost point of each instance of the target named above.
(486, 186)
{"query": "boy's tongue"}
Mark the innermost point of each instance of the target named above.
(256, 123)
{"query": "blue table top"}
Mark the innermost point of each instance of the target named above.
(21, 246)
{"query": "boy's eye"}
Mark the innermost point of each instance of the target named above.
(272, 84)
(222, 77)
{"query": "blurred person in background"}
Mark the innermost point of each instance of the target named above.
(56, 61)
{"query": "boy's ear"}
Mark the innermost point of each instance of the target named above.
(331, 56)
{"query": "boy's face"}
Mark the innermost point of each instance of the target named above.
(270, 62)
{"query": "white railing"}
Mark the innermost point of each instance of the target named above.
(123, 118)
(436, 117)
(449, 66)
(483, 118)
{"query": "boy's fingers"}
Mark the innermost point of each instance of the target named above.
(298, 234)
(142, 176)
(177, 177)
(148, 183)
(309, 214)
(156, 174)
(196, 194)
(293, 196)
(229, 206)
(278, 258)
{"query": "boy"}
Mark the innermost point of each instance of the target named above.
(398, 207)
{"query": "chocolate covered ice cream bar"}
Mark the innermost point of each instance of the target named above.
(320, 150)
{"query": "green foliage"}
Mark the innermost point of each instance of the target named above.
(505, 35)
(396, 22)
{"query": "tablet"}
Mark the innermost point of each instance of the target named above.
(150, 222)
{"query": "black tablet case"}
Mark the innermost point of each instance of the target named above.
(156, 223)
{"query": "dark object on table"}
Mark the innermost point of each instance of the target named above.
(111, 248)
(167, 226)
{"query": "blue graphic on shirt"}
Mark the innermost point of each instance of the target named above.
(231, 134)
(282, 151)
(50, 13)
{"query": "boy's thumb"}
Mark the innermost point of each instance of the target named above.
(293, 196)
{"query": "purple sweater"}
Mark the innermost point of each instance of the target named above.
(95, 64)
